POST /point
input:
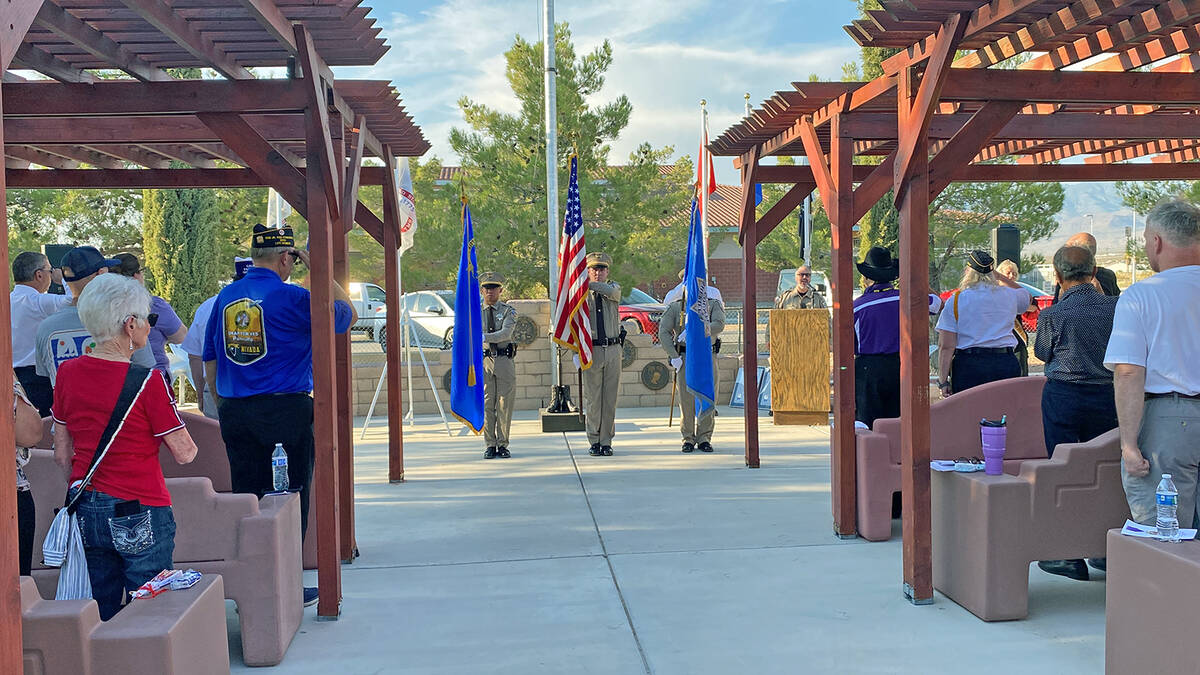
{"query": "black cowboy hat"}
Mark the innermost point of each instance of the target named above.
(879, 265)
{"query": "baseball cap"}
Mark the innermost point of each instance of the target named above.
(84, 261)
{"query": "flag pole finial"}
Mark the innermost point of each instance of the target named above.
(703, 102)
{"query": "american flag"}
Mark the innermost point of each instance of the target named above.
(572, 324)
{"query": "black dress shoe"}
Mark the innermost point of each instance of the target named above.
(705, 447)
(1072, 569)
(1099, 563)
(595, 450)
(503, 453)
(490, 453)
(688, 447)
(606, 450)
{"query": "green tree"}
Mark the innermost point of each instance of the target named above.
(179, 239)
(628, 211)
(962, 218)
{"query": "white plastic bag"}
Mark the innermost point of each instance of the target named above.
(64, 547)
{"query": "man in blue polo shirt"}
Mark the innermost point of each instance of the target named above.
(877, 338)
(258, 352)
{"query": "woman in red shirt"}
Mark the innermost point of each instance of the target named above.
(125, 512)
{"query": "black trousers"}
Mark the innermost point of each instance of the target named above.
(876, 387)
(972, 370)
(26, 523)
(1076, 413)
(37, 388)
(252, 426)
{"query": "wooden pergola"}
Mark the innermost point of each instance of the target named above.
(306, 135)
(942, 113)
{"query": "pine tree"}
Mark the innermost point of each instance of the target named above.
(181, 247)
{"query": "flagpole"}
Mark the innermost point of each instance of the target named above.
(548, 49)
(703, 172)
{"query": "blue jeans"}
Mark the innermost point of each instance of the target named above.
(123, 552)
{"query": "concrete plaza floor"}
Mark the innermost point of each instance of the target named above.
(650, 561)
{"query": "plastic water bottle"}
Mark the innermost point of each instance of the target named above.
(1168, 499)
(279, 469)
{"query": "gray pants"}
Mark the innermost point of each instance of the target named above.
(1170, 440)
(499, 387)
(600, 384)
(695, 431)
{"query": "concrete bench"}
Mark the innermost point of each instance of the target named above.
(254, 544)
(988, 529)
(175, 633)
(1153, 589)
(212, 462)
(954, 432)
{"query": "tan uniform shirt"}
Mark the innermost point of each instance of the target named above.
(608, 295)
(794, 299)
(505, 320)
(670, 326)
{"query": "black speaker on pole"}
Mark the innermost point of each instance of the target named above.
(54, 253)
(1006, 244)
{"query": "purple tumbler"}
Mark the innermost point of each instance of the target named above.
(993, 435)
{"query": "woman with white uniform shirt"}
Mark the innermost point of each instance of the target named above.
(975, 330)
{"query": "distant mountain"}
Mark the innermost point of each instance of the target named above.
(1109, 218)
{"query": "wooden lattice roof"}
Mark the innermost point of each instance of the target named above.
(1109, 119)
(92, 42)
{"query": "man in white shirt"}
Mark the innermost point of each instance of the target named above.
(31, 304)
(1152, 352)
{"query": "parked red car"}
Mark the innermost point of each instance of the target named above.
(640, 313)
(1028, 319)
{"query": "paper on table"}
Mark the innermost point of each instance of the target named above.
(1133, 529)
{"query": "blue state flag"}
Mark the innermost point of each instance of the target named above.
(698, 365)
(466, 353)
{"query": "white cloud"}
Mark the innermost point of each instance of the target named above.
(455, 48)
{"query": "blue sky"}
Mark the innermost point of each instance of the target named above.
(668, 54)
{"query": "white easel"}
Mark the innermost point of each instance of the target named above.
(406, 322)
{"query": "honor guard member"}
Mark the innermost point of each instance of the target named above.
(258, 352)
(499, 369)
(671, 337)
(601, 380)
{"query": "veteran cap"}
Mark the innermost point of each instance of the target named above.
(487, 279)
(599, 260)
(270, 237)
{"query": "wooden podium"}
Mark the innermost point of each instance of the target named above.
(800, 366)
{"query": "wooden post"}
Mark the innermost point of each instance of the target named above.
(10, 594)
(391, 271)
(345, 376)
(325, 480)
(913, 193)
(841, 217)
(750, 313)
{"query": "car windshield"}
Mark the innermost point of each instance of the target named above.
(448, 296)
(637, 296)
(1034, 290)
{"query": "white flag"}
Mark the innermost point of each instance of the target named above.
(277, 209)
(408, 206)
